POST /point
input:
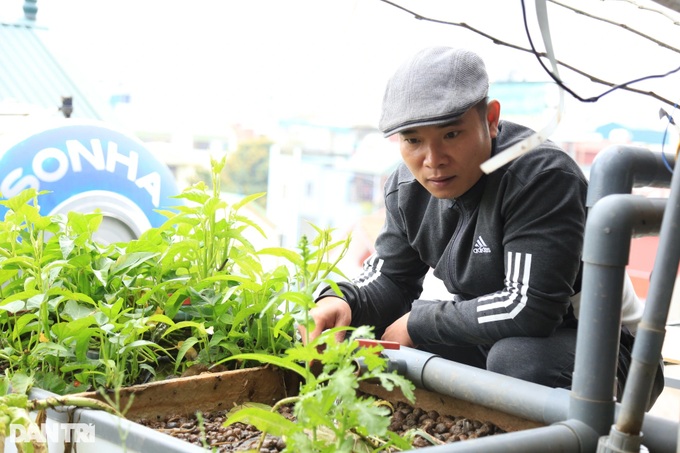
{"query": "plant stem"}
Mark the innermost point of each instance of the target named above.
(70, 400)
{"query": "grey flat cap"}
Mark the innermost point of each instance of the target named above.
(436, 85)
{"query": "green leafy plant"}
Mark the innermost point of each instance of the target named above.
(78, 315)
(331, 416)
(82, 315)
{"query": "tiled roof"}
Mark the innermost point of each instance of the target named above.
(31, 75)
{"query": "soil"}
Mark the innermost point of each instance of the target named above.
(238, 437)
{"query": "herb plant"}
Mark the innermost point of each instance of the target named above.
(80, 315)
(330, 415)
(77, 315)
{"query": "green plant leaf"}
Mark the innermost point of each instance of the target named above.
(267, 421)
(21, 383)
(35, 301)
(160, 318)
(246, 283)
(51, 349)
(70, 295)
(300, 298)
(281, 252)
(73, 310)
(247, 222)
(7, 274)
(13, 306)
(186, 345)
(398, 441)
(138, 344)
(196, 194)
(63, 330)
(25, 324)
(17, 201)
(182, 325)
(131, 260)
(23, 296)
(280, 362)
(247, 199)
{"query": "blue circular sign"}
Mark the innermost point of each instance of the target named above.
(86, 164)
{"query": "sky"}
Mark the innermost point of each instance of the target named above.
(255, 61)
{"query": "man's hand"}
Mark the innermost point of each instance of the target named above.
(329, 312)
(397, 332)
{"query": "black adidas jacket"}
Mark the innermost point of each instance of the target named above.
(508, 250)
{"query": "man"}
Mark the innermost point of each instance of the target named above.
(506, 245)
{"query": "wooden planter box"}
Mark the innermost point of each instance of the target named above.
(205, 392)
(219, 391)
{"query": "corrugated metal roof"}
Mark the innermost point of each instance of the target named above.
(30, 74)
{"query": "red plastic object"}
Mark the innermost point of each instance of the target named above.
(385, 344)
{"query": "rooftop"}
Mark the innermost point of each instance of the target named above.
(31, 78)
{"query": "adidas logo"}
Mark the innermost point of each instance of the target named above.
(480, 246)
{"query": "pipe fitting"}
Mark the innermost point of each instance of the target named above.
(416, 360)
(618, 442)
(613, 221)
(619, 168)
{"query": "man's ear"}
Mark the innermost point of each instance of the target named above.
(493, 114)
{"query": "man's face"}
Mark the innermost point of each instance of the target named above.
(445, 159)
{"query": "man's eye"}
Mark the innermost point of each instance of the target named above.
(411, 141)
(452, 134)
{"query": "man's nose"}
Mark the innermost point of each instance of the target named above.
(435, 156)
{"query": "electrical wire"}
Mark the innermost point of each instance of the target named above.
(500, 42)
(663, 154)
(561, 84)
(671, 121)
(535, 139)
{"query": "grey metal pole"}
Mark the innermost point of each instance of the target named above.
(611, 224)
